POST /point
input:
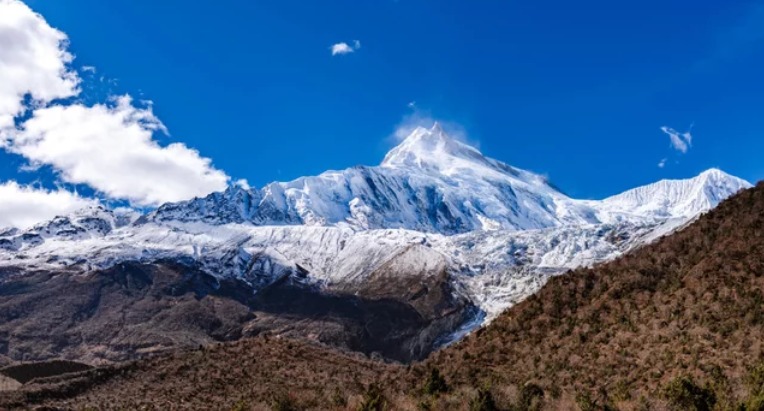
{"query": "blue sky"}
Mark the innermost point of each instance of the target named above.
(578, 91)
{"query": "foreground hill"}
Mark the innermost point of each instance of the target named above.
(691, 304)
(676, 324)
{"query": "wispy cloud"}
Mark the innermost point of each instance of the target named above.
(679, 141)
(345, 48)
(422, 118)
(662, 163)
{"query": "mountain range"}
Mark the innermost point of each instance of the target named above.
(437, 235)
(674, 325)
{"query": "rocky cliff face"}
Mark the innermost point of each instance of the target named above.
(131, 310)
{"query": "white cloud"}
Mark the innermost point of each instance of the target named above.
(243, 183)
(111, 148)
(662, 163)
(24, 206)
(341, 48)
(344, 48)
(33, 61)
(680, 141)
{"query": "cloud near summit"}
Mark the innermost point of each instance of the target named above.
(111, 148)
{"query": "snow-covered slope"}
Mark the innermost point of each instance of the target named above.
(675, 198)
(492, 268)
(89, 222)
(433, 183)
(499, 231)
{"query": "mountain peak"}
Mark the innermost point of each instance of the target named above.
(431, 137)
(713, 170)
(432, 148)
(716, 178)
(716, 174)
(437, 128)
(679, 198)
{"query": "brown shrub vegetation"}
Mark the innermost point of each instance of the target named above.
(691, 304)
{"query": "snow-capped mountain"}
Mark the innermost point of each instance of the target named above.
(429, 182)
(435, 205)
(433, 183)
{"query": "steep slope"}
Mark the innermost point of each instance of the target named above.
(689, 304)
